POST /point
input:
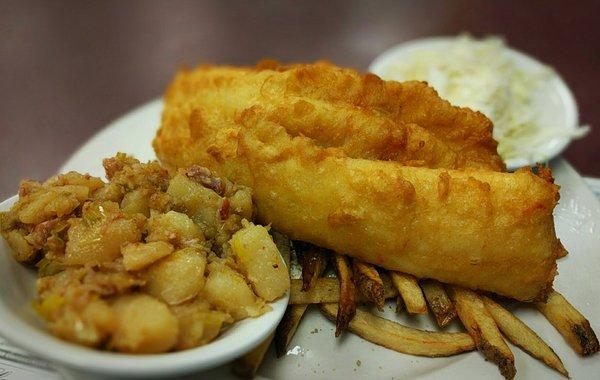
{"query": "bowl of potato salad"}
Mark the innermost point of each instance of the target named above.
(154, 272)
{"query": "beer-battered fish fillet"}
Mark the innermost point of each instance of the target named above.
(366, 168)
(341, 108)
(478, 229)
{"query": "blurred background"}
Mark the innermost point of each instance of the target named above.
(67, 68)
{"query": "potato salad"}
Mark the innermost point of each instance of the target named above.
(154, 260)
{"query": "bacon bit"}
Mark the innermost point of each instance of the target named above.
(204, 177)
(27, 187)
(224, 209)
(42, 232)
(172, 237)
(112, 166)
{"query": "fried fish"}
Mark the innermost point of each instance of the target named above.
(337, 107)
(476, 227)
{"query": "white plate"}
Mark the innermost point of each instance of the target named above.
(553, 99)
(315, 353)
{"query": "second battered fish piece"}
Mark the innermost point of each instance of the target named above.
(467, 132)
(309, 100)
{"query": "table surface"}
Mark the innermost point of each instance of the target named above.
(67, 68)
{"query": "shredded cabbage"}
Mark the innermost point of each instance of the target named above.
(479, 75)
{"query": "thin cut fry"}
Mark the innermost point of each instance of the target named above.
(287, 327)
(368, 282)
(410, 292)
(347, 300)
(313, 261)
(283, 245)
(327, 290)
(480, 324)
(403, 339)
(399, 304)
(521, 335)
(248, 365)
(439, 302)
(569, 322)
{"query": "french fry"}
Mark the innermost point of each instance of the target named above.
(439, 302)
(283, 245)
(327, 290)
(400, 338)
(481, 326)
(313, 261)
(411, 293)
(399, 304)
(569, 322)
(287, 327)
(521, 335)
(368, 282)
(347, 297)
(247, 366)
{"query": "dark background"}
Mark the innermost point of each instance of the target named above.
(68, 68)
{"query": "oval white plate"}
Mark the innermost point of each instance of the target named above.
(315, 353)
(21, 326)
(554, 99)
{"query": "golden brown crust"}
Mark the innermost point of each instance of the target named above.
(495, 228)
(362, 114)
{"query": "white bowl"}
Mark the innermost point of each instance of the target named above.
(554, 99)
(20, 325)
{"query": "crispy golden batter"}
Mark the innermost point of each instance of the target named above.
(496, 229)
(363, 115)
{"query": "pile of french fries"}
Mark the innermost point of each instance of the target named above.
(487, 323)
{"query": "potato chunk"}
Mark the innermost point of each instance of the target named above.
(136, 201)
(177, 278)
(173, 227)
(98, 243)
(22, 251)
(197, 201)
(145, 325)
(50, 202)
(259, 260)
(109, 192)
(228, 291)
(241, 203)
(138, 256)
(89, 325)
(74, 178)
(98, 211)
(198, 324)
